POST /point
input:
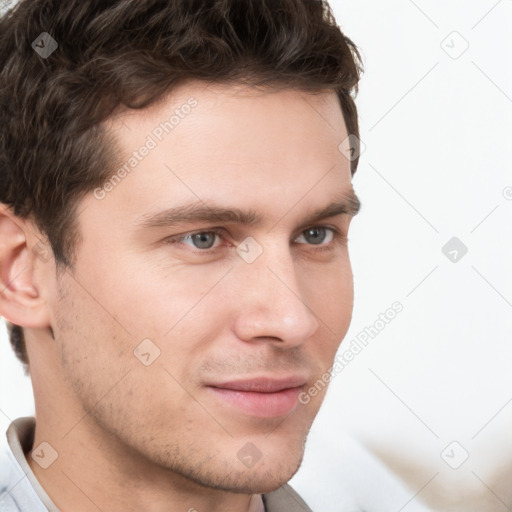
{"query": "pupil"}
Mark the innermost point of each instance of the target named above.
(204, 240)
(315, 235)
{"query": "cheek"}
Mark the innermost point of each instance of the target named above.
(331, 298)
(99, 364)
(330, 292)
(182, 310)
(174, 301)
(87, 341)
(149, 295)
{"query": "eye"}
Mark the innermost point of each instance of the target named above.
(317, 235)
(205, 241)
(200, 240)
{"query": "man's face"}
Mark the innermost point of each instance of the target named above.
(153, 318)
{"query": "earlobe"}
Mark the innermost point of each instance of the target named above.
(21, 302)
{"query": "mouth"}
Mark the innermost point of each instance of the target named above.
(260, 397)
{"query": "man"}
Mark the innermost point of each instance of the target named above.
(175, 189)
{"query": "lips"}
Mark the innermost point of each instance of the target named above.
(263, 384)
(262, 397)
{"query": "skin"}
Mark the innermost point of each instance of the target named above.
(131, 437)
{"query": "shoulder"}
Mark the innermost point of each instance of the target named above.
(8, 480)
(285, 499)
(16, 492)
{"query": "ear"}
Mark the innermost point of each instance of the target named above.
(22, 256)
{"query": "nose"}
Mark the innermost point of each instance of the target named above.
(272, 305)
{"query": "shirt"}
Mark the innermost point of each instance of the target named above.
(20, 490)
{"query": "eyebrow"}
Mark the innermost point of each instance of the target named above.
(199, 211)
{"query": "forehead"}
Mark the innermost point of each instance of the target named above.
(228, 145)
(232, 116)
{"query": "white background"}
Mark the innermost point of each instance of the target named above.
(437, 127)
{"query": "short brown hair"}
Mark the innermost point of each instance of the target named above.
(130, 53)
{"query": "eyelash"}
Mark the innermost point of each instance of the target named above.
(338, 238)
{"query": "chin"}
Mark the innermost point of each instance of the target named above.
(275, 468)
(269, 473)
(257, 481)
